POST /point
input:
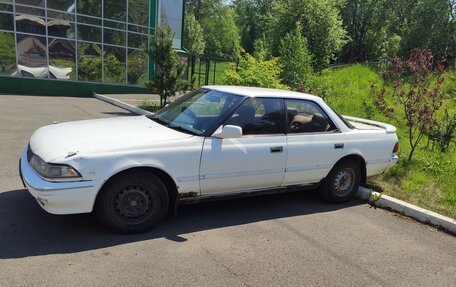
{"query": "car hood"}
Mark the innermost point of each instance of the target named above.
(58, 141)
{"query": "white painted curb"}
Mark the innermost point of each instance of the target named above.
(418, 213)
(122, 105)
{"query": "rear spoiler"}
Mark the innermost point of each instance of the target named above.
(389, 128)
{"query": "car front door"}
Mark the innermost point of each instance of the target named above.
(314, 143)
(254, 161)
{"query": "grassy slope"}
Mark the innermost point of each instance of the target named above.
(429, 180)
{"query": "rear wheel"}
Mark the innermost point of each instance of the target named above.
(132, 202)
(342, 182)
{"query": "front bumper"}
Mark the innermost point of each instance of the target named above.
(58, 197)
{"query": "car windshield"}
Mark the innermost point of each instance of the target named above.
(197, 111)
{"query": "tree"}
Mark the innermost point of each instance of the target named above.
(255, 20)
(320, 24)
(255, 73)
(262, 49)
(366, 22)
(413, 103)
(193, 40)
(295, 59)
(432, 25)
(219, 29)
(169, 67)
(193, 33)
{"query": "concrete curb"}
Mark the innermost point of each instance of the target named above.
(122, 105)
(410, 210)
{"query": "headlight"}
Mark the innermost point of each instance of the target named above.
(52, 171)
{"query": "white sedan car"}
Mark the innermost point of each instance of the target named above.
(214, 142)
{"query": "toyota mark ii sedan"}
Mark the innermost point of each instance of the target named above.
(215, 142)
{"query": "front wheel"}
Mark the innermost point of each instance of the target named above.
(342, 182)
(132, 202)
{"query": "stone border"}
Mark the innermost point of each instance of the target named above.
(122, 105)
(410, 210)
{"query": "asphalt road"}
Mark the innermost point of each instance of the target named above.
(293, 239)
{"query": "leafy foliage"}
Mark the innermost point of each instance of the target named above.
(167, 77)
(432, 25)
(149, 106)
(255, 73)
(255, 20)
(90, 63)
(137, 67)
(193, 33)
(366, 23)
(444, 131)
(351, 30)
(419, 99)
(7, 50)
(320, 24)
(114, 69)
(219, 29)
(295, 59)
(262, 49)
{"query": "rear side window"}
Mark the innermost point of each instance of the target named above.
(347, 123)
(307, 117)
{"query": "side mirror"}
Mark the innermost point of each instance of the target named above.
(228, 132)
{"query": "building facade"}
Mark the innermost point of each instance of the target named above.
(77, 47)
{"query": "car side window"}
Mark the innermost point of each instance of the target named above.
(307, 117)
(259, 116)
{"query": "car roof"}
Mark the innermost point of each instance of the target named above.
(262, 92)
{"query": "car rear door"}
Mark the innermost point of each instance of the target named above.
(254, 161)
(314, 143)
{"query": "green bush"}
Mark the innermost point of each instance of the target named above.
(443, 132)
(255, 73)
(149, 106)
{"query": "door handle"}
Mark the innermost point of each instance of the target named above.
(276, 149)
(338, 146)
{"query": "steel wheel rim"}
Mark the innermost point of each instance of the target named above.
(133, 204)
(344, 181)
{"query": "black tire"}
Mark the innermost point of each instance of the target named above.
(342, 182)
(132, 202)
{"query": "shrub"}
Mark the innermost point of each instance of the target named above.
(255, 73)
(443, 132)
(149, 106)
(415, 102)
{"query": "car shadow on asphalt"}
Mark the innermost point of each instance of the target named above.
(27, 230)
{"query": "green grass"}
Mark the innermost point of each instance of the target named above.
(429, 180)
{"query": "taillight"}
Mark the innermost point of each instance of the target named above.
(396, 147)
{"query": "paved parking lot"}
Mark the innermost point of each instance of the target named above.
(292, 239)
